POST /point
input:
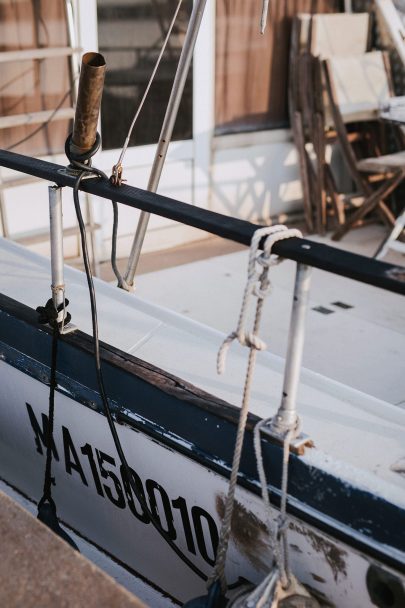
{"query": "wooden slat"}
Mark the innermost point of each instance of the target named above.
(35, 117)
(40, 53)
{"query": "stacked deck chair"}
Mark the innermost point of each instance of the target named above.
(329, 58)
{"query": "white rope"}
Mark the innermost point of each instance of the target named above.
(280, 573)
(162, 50)
(257, 285)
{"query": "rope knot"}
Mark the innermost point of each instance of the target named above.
(48, 314)
(258, 285)
(282, 525)
(251, 340)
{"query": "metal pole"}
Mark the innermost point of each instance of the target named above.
(166, 132)
(56, 233)
(286, 417)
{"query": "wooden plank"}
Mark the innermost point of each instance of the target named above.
(32, 118)
(370, 203)
(39, 53)
(303, 159)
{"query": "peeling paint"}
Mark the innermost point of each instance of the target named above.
(317, 578)
(334, 556)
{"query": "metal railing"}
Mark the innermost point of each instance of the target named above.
(343, 263)
(306, 253)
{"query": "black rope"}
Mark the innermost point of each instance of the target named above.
(86, 169)
(46, 506)
(48, 479)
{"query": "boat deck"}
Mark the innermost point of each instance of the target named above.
(361, 349)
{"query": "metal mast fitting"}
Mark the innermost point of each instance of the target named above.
(85, 137)
(286, 418)
(57, 259)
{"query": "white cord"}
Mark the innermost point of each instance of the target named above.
(258, 284)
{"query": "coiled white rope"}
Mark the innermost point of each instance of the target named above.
(258, 285)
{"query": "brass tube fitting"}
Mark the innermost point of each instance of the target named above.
(88, 102)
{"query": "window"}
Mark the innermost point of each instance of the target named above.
(252, 69)
(34, 85)
(131, 33)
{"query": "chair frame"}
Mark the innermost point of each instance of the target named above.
(372, 198)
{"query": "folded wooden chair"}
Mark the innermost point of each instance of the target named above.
(297, 102)
(331, 35)
(357, 88)
(314, 38)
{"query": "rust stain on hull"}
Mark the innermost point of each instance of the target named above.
(249, 533)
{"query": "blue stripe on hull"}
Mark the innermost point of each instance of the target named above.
(203, 428)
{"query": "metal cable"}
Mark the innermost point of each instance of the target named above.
(162, 50)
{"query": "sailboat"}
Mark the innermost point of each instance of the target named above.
(155, 496)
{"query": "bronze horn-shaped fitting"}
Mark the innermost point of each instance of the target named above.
(88, 102)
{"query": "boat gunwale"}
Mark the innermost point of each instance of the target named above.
(227, 415)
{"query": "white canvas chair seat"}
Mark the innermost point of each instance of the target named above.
(339, 34)
(361, 86)
(358, 87)
(336, 35)
(382, 164)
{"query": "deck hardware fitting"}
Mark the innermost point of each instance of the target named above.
(287, 417)
(72, 172)
(116, 175)
(297, 445)
(57, 259)
(342, 305)
(323, 310)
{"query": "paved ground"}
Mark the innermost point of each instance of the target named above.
(38, 570)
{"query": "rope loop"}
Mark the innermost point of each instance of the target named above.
(257, 285)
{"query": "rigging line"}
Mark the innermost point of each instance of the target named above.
(100, 380)
(47, 490)
(162, 50)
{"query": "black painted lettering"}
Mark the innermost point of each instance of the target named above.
(41, 434)
(72, 462)
(118, 500)
(152, 487)
(198, 516)
(181, 504)
(132, 497)
(87, 450)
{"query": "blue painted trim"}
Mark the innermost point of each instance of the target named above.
(203, 429)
